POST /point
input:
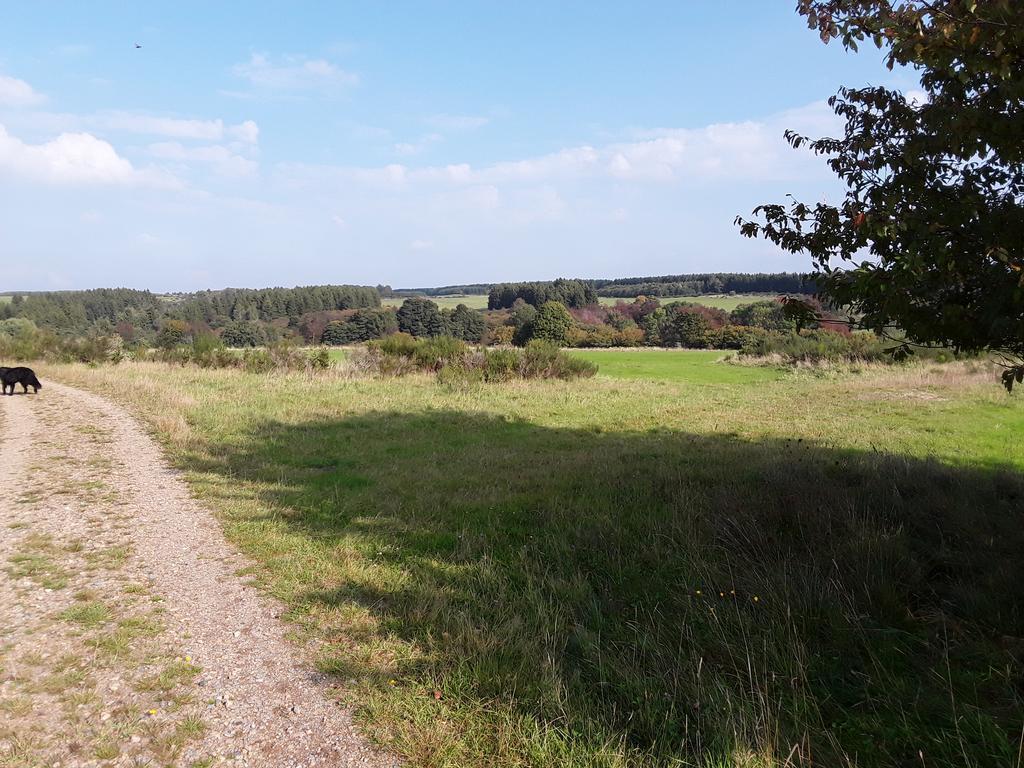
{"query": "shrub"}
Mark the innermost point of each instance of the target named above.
(503, 335)
(396, 344)
(544, 360)
(734, 336)
(500, 364)
(241, 333)
(435, 353)
(173, 334)
(319, 359)
(768, 315)
(397, 356)
(818, 346)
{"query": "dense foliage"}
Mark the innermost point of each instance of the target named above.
(455, 362)
(700, 284)
(140, 316)
(571, 293)
(928, 236)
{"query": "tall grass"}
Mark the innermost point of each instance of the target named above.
(806, 571)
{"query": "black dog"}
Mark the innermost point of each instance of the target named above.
(24, 376)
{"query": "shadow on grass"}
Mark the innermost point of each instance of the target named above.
(579, 596)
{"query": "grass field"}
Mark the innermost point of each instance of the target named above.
(5, 297)
(691, 366)
(449, 302)
(639, 569)
(723, 301)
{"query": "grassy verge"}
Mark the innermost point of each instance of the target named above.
(794, 570)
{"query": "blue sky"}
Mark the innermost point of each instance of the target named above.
(413, 144)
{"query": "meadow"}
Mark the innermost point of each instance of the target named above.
(728, 302)
(722, 301)
(473, 301)
(678, 562)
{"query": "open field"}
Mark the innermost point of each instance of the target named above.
(690, 366)
(476, 301)
(722, 301)
(5, 297)
(725, 302)
(619, 572)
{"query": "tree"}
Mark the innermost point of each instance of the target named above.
(686, 328)
(363, 325)
(242, 333)
(770, 315)
(173, 334)
(927, 239)
(420, 317)
(466, 324)
(552, 323)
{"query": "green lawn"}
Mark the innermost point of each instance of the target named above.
(782, 569)
(679, 365)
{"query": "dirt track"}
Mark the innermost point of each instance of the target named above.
(126, 635)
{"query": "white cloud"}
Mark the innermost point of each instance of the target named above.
(421, 245)
(175, 128)
(18, 93)
(293, 73)
(222, 160)
(247, 132)
(74, 158)
(446, 122)
(414, 148)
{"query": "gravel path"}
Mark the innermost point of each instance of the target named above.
(126, 635)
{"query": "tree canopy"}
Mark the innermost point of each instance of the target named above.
(928, 237)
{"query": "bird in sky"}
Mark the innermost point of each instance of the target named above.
(137, 45)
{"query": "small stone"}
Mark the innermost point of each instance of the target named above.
(136, 739)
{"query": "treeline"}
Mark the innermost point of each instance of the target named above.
(79, 312)
(701, 284)
(471, 289)
(571, 293)
(139, 316)
(269, 304)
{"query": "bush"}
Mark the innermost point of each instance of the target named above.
(242, 333)
(503, 335)
(173, 334)
(500, 364)
(434, 353)
(544, 360)
(320, 359)
(818, 346)
(400, 354)
(397, 344)
(768, 315)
